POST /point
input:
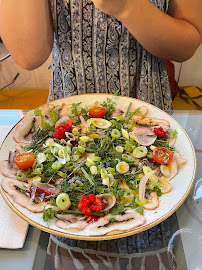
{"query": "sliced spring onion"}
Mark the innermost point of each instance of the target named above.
(103, 173)
(39, 169)
(63, 201)
(84, 139)
(128, 148)
(153, 177)
(140, 152)
(140, 202)
(83, 144)
(19, 176)
(69, 166)
(50, 157)
(125, 134)
(100, 123)
(93, 170)
(68, 149)
(111, 170)
(119, 118)
(119, 149)
(81, 149)
(75, 131)
(40, 158)
(90, 160)
(152, 147)
(62, 174)
(142, 185)
(105, 181)
(57, 165)
(75, 157)
(115, 133)
(122, 167)
(165, 170)
(113, 123)
(96, 158)
(63, 152)
(149, 155)
(127, 158)
(48, 141)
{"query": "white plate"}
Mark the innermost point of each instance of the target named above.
(169, 203)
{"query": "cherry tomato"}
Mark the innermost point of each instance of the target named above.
(24, 160)
(162, 155)
(97, 112)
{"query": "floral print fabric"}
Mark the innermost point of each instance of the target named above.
(95, 53)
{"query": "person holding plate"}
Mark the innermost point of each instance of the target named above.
(103, 46)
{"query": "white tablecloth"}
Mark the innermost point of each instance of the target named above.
(13, 229)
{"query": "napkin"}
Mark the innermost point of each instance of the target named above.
(13, 229)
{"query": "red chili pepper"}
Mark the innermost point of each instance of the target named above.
(59, 132)
(90, 204)
(68, 126)
(160, 132)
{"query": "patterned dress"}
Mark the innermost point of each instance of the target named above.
(95, 53)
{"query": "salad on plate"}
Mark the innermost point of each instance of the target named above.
(93, 169)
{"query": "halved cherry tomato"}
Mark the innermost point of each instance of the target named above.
(97, 112)
(24, 160)
(162, 155)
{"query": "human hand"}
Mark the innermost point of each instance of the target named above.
(112, 7)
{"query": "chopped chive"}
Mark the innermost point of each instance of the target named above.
(128, 110)
(88, 177)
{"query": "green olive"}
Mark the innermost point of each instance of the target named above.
(62, 201)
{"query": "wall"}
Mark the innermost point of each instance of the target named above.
(190, 72)
(36, 79)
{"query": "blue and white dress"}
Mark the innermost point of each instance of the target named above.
(95, 53)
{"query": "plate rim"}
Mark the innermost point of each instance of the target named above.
(118, 234)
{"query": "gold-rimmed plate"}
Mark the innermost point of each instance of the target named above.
(169, 203)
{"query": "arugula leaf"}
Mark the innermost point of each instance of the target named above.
(113, 219)
(138, 110)
(75, 108)
(117, 209)
(44, 124)
(110, 108)
(140, 210)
